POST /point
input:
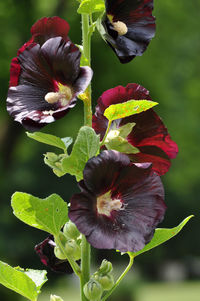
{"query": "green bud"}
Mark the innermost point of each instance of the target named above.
(55, 298)
(105, 267)
(70, 230)
(59, 254)
(73, 249)
(106, 281)
(62, 238)
(93, 290)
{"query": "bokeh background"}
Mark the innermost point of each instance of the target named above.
(170, 70)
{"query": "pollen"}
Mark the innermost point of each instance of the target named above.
(120, 27)
(105, 204)
(52, 97)
(63, 96)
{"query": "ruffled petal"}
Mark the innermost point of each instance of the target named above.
(138, 203)
(137, 18)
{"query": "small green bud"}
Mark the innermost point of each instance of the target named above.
(106, 281)
(70, 230)
(93, 290)
(73, 249)
(105, 267)
(59, 254)
(62, 238)
(55, 298)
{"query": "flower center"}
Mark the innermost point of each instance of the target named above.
(63, 96)
(105, 204)
(120, 27)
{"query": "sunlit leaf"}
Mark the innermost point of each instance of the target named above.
(48, 214)
(22, 281)
(51, 139)
(85, 147)
(161, 236)
(91, 6)
(128, 108)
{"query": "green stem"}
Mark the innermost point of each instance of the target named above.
(131, 259)
(85, 246)
(106, 133)
(86, 36)
(85, 265)
(72, 262)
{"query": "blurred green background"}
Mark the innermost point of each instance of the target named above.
(170, 70)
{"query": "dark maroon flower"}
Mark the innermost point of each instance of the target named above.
(120, 203)
(129, 27)
(46, 77)
(45, 250)
(149, 135)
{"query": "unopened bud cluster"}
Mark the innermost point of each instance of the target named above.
(70, 240)
(102, 280)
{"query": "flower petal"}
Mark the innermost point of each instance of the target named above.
(45, 251)
(47, 28)
(149, 134)
(137, 17)
(135, 186)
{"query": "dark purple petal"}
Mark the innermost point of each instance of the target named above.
(47, 28)
(38, 71)
(45, 251)
(149, 134)
(131, 196)
(140, 24)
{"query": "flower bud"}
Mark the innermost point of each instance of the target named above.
(93, 290)
(70, 230)
(107, 281)
(59, 254)
(55, 298)
(105, 267)
(73, 249)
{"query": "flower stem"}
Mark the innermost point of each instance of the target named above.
(106, 133)
(86, 36)
(72, 262)
(85, 265)
(131, 259)
(85, 246)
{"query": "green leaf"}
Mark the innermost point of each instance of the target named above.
(128, 108)
(162, 235)
(91, 6)
(121, 145)
(48, 214)
(85, 147)
(20, 282)
(51, 139)
(55, 162)
(38, 276)
(126, 129)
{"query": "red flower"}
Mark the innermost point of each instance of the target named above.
(149, 134)
(46, 77)
(129, 27)
(45, 251)
(120, 203)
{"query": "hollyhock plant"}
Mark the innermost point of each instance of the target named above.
(149, 135)
(45, 251)
(46, 76)
(129, 27)
(116, 158)
(120, 203)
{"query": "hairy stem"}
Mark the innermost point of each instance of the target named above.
(131, 259)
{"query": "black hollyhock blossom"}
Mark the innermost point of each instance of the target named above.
(45, 251)
(120, 203)
(129, 27)
(46, 77)
(149, 135)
